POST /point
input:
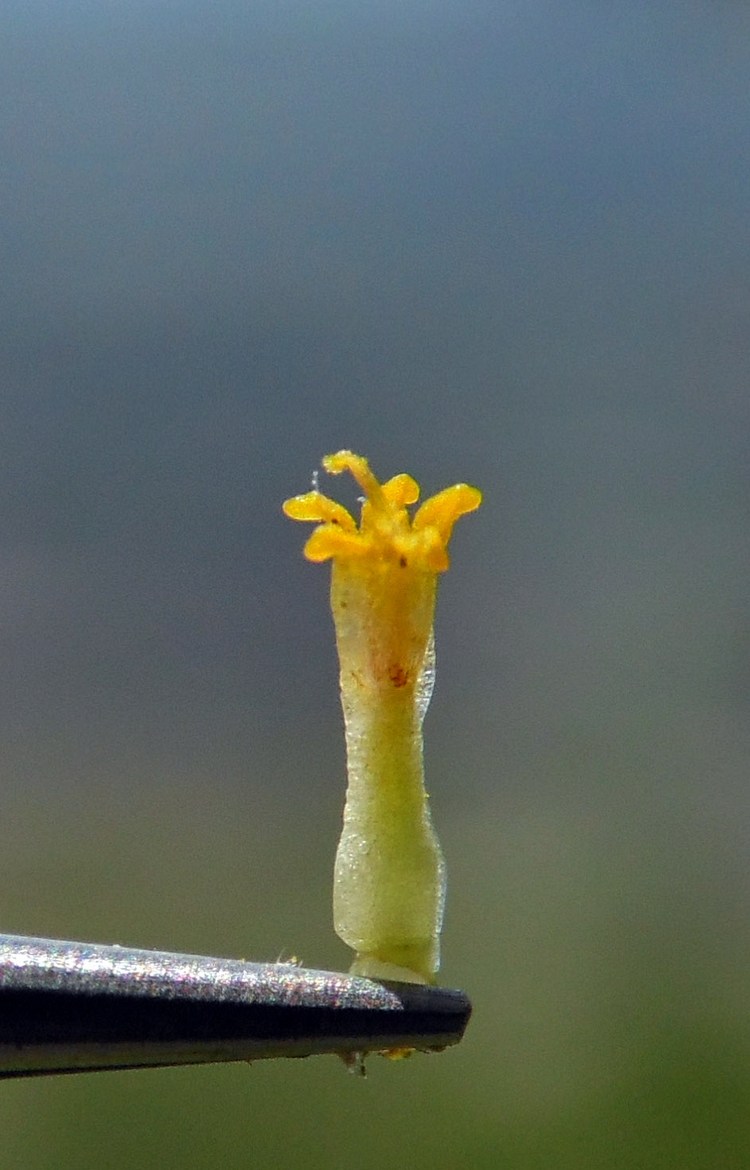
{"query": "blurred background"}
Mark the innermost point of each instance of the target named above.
(504, 242)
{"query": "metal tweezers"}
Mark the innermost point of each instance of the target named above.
(81, 1007)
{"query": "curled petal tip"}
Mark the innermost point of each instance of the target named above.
(318, 508)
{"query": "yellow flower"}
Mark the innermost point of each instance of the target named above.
(389, 877)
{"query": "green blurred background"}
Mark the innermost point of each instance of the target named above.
(506, 242)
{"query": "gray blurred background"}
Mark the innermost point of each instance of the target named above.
(499, 242)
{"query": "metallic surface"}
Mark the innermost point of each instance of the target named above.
(76, 1007)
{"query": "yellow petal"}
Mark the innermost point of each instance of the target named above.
(443, 510)
(330, 540)
(401, 490)
(314, 506)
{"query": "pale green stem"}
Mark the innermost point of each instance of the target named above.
(389, 878)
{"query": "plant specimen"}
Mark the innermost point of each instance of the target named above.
(389, 875)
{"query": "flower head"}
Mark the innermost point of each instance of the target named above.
(386, 533)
